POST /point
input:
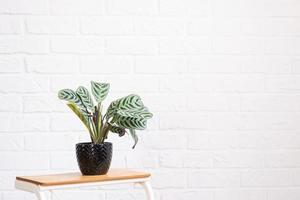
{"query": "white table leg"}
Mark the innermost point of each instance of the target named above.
(147, 187)
(41, 195)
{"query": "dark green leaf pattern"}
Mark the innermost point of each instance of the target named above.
(131, 123)
(141, 114)
(99, 90)
(115, 129)
(71, 96)
(129, 112)
(85, 96)
(130, 102)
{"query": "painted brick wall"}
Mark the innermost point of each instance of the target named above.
(221, 77)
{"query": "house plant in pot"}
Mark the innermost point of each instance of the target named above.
(124, 115)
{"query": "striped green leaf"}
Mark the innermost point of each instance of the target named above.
(134, 136)
(140, 114)
(99, 90)
(130, 102)
(112, 109)
(71, 96)
(85, 96)
(115, 129)
(129, 112)
(131, 123)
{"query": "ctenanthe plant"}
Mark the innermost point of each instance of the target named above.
(126, 114)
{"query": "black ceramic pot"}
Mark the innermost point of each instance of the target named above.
(94, 159)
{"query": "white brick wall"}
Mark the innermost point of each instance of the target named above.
(222, 78)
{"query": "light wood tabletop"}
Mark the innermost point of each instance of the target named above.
(76, 177)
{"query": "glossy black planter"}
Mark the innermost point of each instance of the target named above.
(94, 159)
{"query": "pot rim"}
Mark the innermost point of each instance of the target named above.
(91, 143)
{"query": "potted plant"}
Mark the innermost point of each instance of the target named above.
(124, 115)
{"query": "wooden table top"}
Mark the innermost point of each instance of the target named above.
(76, 177)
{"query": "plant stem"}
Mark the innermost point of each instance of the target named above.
(106, 130)
(93, 132)
(99, 123)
